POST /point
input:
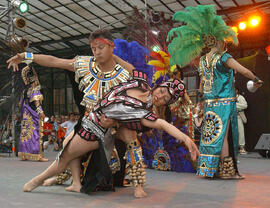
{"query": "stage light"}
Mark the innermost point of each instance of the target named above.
(22, 5)
(155, 17)
(267, 49)
(242, 25)
(234, 29)
(155, 32)
(254, 21)
(155, 48)
(19, 22)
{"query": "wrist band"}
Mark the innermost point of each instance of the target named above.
(28, 57)
(256, 80)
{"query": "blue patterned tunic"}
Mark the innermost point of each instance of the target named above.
(220, 107)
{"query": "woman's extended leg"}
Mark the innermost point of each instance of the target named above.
(75, 149)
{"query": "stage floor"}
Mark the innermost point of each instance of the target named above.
(165, 189)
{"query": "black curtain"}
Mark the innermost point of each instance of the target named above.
(258, 111)
(78, 95)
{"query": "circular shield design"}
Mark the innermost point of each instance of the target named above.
(211, 128)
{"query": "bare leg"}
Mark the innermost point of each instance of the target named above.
(52, 181)
(225, 152)
(75, 167)
(68, 138)
(225, 147)
(77, 148)
(127, 135)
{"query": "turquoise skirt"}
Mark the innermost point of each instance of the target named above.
(217, 115)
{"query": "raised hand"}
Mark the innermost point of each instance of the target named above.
(15, 61)
(258, 84)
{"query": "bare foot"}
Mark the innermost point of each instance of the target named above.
(43, 159)
(31, 185)
(234, 177)
(74, 188)
(49, 182)
(139, 192)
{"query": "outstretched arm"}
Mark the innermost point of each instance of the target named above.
(176, 133)
(42, 60)
(233, 64)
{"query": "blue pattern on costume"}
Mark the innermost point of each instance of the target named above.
(178, 154)
(217, 83)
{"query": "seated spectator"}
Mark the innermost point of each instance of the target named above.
(51, 144)
(70, 124)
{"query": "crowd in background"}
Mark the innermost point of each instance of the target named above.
(55, 129)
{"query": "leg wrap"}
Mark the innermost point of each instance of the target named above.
(115, 161)
(226, 168)
(63, 177)
(135, 163)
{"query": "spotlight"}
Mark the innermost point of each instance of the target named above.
(22, 5)
(242, 25)
(155, 32)
(19, 22)
(155, 48)
(267, 49)
(155, 17)
(254, 21)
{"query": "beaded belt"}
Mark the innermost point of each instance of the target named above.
(216, 102)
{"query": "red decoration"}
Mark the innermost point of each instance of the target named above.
(267, 49)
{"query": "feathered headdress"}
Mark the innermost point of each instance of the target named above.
(161, 63)
(176, 89)
(135, 54)
(203, 28)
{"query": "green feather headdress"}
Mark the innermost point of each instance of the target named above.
(202, 29)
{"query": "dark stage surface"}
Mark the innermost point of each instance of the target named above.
(165, 189)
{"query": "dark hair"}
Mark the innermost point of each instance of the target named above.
(101, 33)
(71, 114)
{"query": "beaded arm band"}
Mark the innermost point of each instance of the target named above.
(28, 57)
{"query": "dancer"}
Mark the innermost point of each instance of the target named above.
(129, 104)
(30, 146)
(203, 29)
(95, 75)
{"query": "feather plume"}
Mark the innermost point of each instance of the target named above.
(186, 42)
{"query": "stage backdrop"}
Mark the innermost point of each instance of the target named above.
(258, 111)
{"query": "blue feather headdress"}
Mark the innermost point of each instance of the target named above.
(135, 54)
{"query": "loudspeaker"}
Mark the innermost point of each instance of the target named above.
(263, 145)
